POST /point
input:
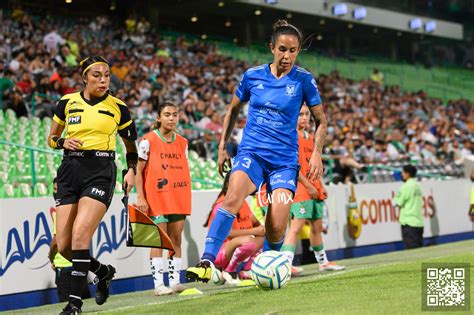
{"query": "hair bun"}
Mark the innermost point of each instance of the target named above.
(279, 23)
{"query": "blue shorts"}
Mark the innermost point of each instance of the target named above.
(261, 172)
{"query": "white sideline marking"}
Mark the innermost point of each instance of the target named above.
(306, 279)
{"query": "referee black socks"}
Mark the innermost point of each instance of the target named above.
(100, 270)
(80, 266)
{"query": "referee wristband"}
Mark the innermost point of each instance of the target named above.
(57, 142)
(132, 160)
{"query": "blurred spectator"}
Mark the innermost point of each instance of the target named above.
(377, 76)
(369, 122)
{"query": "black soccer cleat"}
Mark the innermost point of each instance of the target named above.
(201, 272)
(71, 309)
(102, 292)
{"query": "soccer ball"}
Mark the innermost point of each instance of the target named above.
(270, 270)
(216, 277)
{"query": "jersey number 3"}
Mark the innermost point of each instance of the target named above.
(246, 163)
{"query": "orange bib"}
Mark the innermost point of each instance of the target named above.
(166, 176)
(243, 220)
(305, 149)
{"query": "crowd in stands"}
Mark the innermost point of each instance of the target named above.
(368, 121)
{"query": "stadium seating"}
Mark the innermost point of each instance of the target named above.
(15, 162)
(445, 83)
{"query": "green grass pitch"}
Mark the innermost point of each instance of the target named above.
(386, 283)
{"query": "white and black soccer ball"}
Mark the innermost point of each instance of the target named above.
(271, 270)
(216, 277)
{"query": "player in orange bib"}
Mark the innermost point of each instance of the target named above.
(243, 243)
(164, 190)
(308, 203)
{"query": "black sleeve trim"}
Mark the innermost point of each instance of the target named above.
(61, 109)
(129, 132)
(125, 116)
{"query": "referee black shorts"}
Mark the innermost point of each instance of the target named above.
(86, 174)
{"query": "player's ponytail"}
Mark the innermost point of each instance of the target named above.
(162, 106)
(282, 27)
(223, 192)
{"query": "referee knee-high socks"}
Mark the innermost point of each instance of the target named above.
(100, 270)
(80, 266)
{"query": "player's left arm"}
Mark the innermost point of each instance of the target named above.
(315, 162)
(128, 133)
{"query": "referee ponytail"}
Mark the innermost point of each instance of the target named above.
(162, 106)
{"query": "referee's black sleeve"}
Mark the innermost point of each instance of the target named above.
(126, 127)
(60, 112)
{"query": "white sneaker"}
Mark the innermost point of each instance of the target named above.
(178, 288)
(163, 290)
(331, 266)
(296, 271)
(231, 278)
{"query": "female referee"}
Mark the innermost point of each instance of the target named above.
(164, 190)
(86, 177)
(268, 153)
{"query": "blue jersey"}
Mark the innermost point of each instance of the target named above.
(274, 109)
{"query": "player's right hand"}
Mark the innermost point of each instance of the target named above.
(142, 205)
(223, 161)
(314, 194)
(72, 144)
(259, 230)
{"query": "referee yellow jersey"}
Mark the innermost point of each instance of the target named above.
(96, 122)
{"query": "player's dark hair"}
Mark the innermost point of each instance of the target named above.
(282, 27)
(410, 169)
(86, 62)
(223, 192)
(160, 109)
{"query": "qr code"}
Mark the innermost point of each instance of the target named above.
(446, 287)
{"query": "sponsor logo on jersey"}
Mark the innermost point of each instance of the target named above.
(162, 182)
(104, 154)
(260, 86)
(74, 120)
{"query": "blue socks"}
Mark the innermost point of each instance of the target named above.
(267, 245)
(218, 232)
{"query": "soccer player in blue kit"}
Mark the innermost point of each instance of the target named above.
(268, 153)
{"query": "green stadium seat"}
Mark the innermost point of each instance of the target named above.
(211, 164)
(192, 155)
(4, 156)
(4, 178)
(7, 191)
(196, 186)
(4, 166)
(23, 172)
(25, 190)
(35, 122)
(41, 190)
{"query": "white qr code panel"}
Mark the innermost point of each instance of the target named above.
(446, 287)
